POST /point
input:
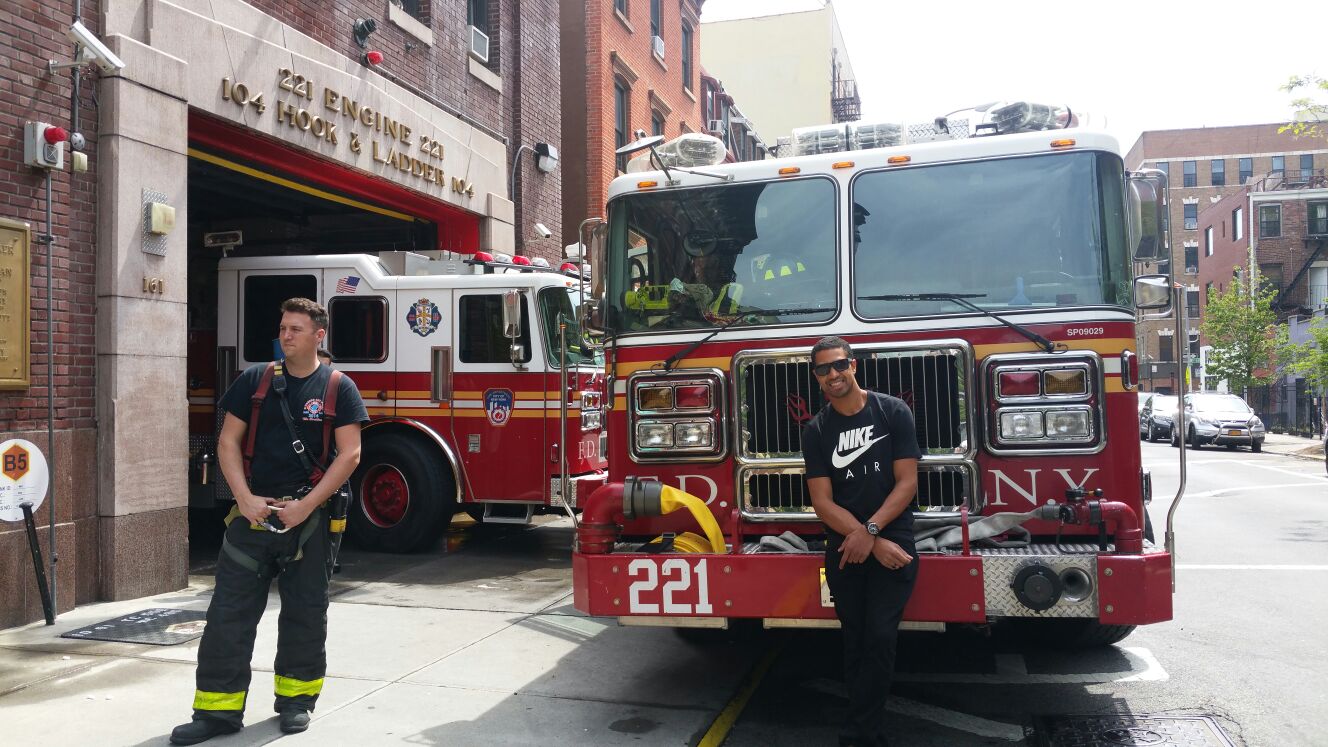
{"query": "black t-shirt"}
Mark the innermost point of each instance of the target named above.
(276, 465)
(858, 453)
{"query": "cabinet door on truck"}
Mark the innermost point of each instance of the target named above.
(498, 414)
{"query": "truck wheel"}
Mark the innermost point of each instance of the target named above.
(404, 496)
(1070, 633)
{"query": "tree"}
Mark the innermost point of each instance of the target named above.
(1242, 328)
(1311, 116)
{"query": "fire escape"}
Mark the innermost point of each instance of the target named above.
(1315, 240)
(845, 106)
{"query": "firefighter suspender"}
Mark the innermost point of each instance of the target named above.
(329, 420)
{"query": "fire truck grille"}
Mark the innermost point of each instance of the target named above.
(778, 394)
(780, 493)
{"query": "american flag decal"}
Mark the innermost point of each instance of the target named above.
(348, 284)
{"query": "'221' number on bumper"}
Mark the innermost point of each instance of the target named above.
(678, 575)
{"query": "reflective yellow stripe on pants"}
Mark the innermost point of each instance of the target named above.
(206, 701)
(290, 687)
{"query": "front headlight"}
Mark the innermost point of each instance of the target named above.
(1068, 424)
(1256, 424)
(652, 434)
(698, 433)
(1017, 426)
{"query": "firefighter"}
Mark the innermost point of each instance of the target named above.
(861, 454)
(278, 528)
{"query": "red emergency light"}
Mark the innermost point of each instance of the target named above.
(482, 257)
(55, 135)
(520, 260)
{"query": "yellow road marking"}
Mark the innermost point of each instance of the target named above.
(723, 723)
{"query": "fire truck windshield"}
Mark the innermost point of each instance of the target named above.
(563, 301)
(1015, 233)
(705, 257)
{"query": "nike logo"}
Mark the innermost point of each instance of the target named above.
(843, 460)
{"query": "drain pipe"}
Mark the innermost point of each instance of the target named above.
(49, 239)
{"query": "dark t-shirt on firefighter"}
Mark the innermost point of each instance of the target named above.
(858, 453)
(276, 466)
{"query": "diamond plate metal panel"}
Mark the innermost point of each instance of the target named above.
(1130, 731)
(152, 243)
(998, 571)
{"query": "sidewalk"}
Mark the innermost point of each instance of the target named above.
(479, 647)
(1295, 446)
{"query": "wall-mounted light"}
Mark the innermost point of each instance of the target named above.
(362, 28)
(546, 157)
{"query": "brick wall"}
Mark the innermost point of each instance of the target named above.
(1289, 249)
(1228, 252)
(655, 85)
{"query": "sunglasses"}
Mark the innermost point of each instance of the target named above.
(841, 365)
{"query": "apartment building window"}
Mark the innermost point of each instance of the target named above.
(1270, 276)
(1208, 292)
(1191, 176)
(621, 122)
(1316, 218)
(686, 52)
(1238, 224)
(477, 14)
(1208, 241)
(1246, 169)
(620, 6)
(1270, 221)
(1279, 165)
(1192, 216)
(1218, 169)
(656, 17)
(1166, 348)
(1194, 345)
(1191, 259)
(412, 7)
(656, 123)
(1306, 166)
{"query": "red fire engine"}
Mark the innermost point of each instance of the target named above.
(459, 360)
(985, 278)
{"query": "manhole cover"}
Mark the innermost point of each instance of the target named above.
(1130, 730)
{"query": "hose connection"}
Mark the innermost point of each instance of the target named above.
(610, 506)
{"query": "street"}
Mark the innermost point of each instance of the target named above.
(476, 642)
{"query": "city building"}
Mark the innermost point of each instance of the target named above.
(261, 128)
(1204, 166)
(627, 66)
(726, 121)
(788, 70)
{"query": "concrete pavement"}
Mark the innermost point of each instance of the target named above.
(1296, 446)
(476, 647)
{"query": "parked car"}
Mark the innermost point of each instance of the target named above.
(1222, 419)
(1156, 416)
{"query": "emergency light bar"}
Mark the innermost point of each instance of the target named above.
(509, 263)
(687, 151)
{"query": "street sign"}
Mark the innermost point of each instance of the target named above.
(24, 478)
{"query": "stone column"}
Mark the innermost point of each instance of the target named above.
(142, 405)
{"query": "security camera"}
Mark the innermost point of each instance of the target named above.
(93, 50)
(543, 231)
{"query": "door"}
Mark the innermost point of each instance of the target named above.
(498, 412)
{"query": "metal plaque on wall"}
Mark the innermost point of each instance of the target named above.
(15, 303)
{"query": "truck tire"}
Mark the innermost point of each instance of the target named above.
(404, 495)
(1070, 633)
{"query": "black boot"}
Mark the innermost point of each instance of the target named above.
(294, 721)
(201, 730)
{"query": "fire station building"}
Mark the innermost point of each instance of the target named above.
(229, 128)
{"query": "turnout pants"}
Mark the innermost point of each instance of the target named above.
(869, 601)
(237, 605)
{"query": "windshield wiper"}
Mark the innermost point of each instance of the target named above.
(962, 300)
(676, 358)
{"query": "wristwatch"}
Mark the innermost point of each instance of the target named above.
(872, 529)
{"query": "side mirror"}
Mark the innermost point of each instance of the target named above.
(1152, 292)
(512, 314)
(1147, 209)
(598, 259)
(518, 352)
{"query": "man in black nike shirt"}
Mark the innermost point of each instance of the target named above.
(861, 453)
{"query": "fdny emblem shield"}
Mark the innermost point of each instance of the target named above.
(498, 406)
(423, 317)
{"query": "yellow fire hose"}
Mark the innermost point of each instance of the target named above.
(670, 500)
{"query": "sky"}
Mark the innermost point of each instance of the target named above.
(1132, 65)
